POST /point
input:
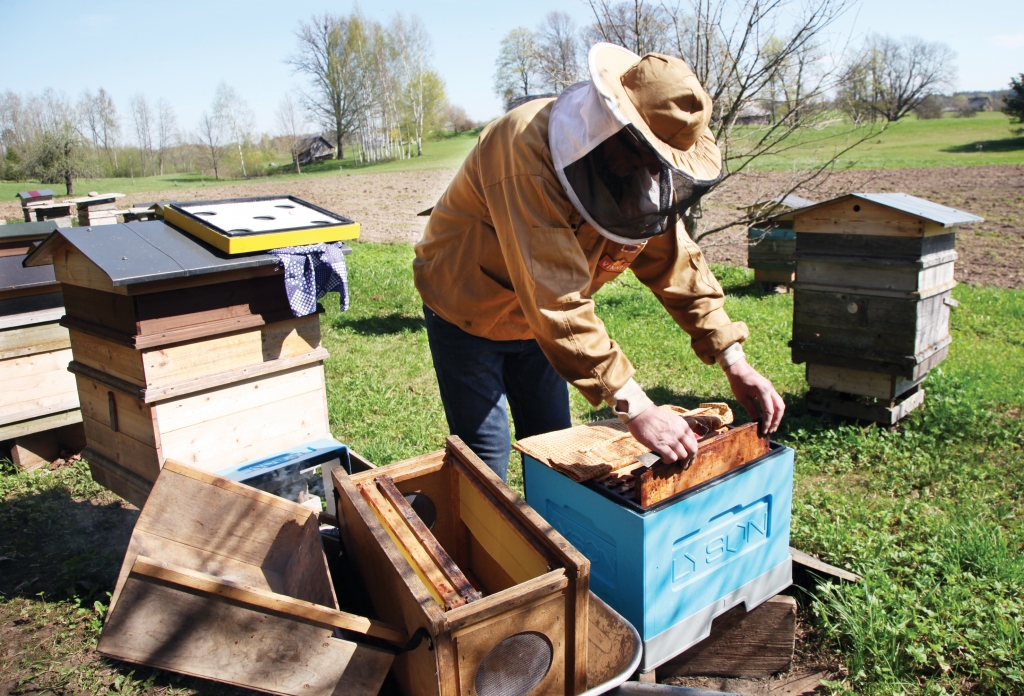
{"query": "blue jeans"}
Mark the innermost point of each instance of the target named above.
(478, 376)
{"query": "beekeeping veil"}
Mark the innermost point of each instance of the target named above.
(632, 146)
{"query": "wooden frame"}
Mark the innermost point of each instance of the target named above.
(229, 583)
(528, 576)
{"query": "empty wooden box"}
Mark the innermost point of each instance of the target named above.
(872, 300)
(501, 597)
(38, 398)
(229, 583)
(182, 352)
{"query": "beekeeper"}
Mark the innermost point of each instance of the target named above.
(558, 197)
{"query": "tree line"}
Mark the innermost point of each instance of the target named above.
(780, 74)
(362, 84)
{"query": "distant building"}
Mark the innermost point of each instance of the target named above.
(983, 103)
(313, 149)
(753, 115)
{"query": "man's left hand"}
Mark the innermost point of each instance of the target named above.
(756, 394)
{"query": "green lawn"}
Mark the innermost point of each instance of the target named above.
(930, 515)
(945, 142)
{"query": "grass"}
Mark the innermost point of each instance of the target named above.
(983, 139)
(946, 142)
(929, 514)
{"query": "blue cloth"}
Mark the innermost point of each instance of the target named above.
(310, 272)
(477, 377)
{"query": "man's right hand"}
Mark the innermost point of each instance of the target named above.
(666, 433)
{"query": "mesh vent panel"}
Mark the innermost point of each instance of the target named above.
(514, 666)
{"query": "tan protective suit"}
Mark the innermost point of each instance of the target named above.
(506, 256)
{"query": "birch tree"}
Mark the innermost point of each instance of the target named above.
(211, 136)
(290, 126)
(166, 130)
(236, 118)
(142, 119)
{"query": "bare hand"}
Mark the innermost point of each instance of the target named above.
(756, 394)
(666, 433)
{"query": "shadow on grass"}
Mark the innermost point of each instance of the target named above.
(1002, 145)
(387, 325)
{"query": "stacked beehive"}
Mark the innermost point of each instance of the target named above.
(38, 400)
(872, 302)
(38, 206)
(97, 209)
(771, 245)
(182, 352)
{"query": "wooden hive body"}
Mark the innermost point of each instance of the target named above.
(874, 283)
(531, 580)
(771, 245)
(197, 359)
(38, 393)
(226, 582)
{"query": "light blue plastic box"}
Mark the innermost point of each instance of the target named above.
(674, 567)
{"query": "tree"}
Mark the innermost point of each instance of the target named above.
(892, 77)
(142, 118)
(456, 119)
(290, 126)
(329, 55)
(930, 107)
(1014, 102)
(640, 26)
(211, 136)
(60, 152)
(423, 96)
(560, 57)
(166, 130)
(517, 65)
(234, 115)
(101, 122)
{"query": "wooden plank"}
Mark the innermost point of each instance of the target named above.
(138, 457)
(27, 340)
(108, 357)
(433, 549)
(41, 316)
(250, 394)
(755, 644)
(504, 602)
(35, 385)
(201, 358)
(231, 376)
(715, 456)
(884, 413)
(166, 627)
(200, 280)
(261, 599)
(858, 217)
(819, 566)
(35, 424)
(429, 573)
(133, 417)
(861, 382)
(765, 275)
(875, 246)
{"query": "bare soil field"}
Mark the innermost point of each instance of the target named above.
(991, 253)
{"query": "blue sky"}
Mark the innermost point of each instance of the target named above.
(183, 49)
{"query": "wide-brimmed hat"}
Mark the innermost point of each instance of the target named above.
(662, 98)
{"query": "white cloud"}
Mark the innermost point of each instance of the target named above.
(1010, 40)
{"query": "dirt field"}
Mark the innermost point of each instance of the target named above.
(991, 253)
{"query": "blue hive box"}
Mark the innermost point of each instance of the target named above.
(291, 472)
(672, 568)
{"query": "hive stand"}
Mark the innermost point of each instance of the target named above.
(872, 300)
(38, 399)
(528, 584)
(771, 246)
(229, 583)
(182, 351)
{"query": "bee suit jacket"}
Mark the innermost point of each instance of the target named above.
(506, 256)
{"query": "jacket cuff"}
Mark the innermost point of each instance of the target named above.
(730, 356)
(635, 398)
(718, 340)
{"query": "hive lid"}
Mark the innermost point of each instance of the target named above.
(589, 451)
(28, 231)
(242, 225)
(13, 276)
(902, 202)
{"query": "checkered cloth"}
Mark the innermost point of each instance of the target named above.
(310, 272)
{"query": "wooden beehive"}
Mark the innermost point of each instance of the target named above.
(182, 352)
(100, 209)
(771, 245)
(489, 574)
(38, 399)
(873, 296)
(229, 583)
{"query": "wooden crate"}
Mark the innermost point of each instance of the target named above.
(531, 580)
(229, 583)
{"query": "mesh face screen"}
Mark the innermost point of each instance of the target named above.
(514, 666)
